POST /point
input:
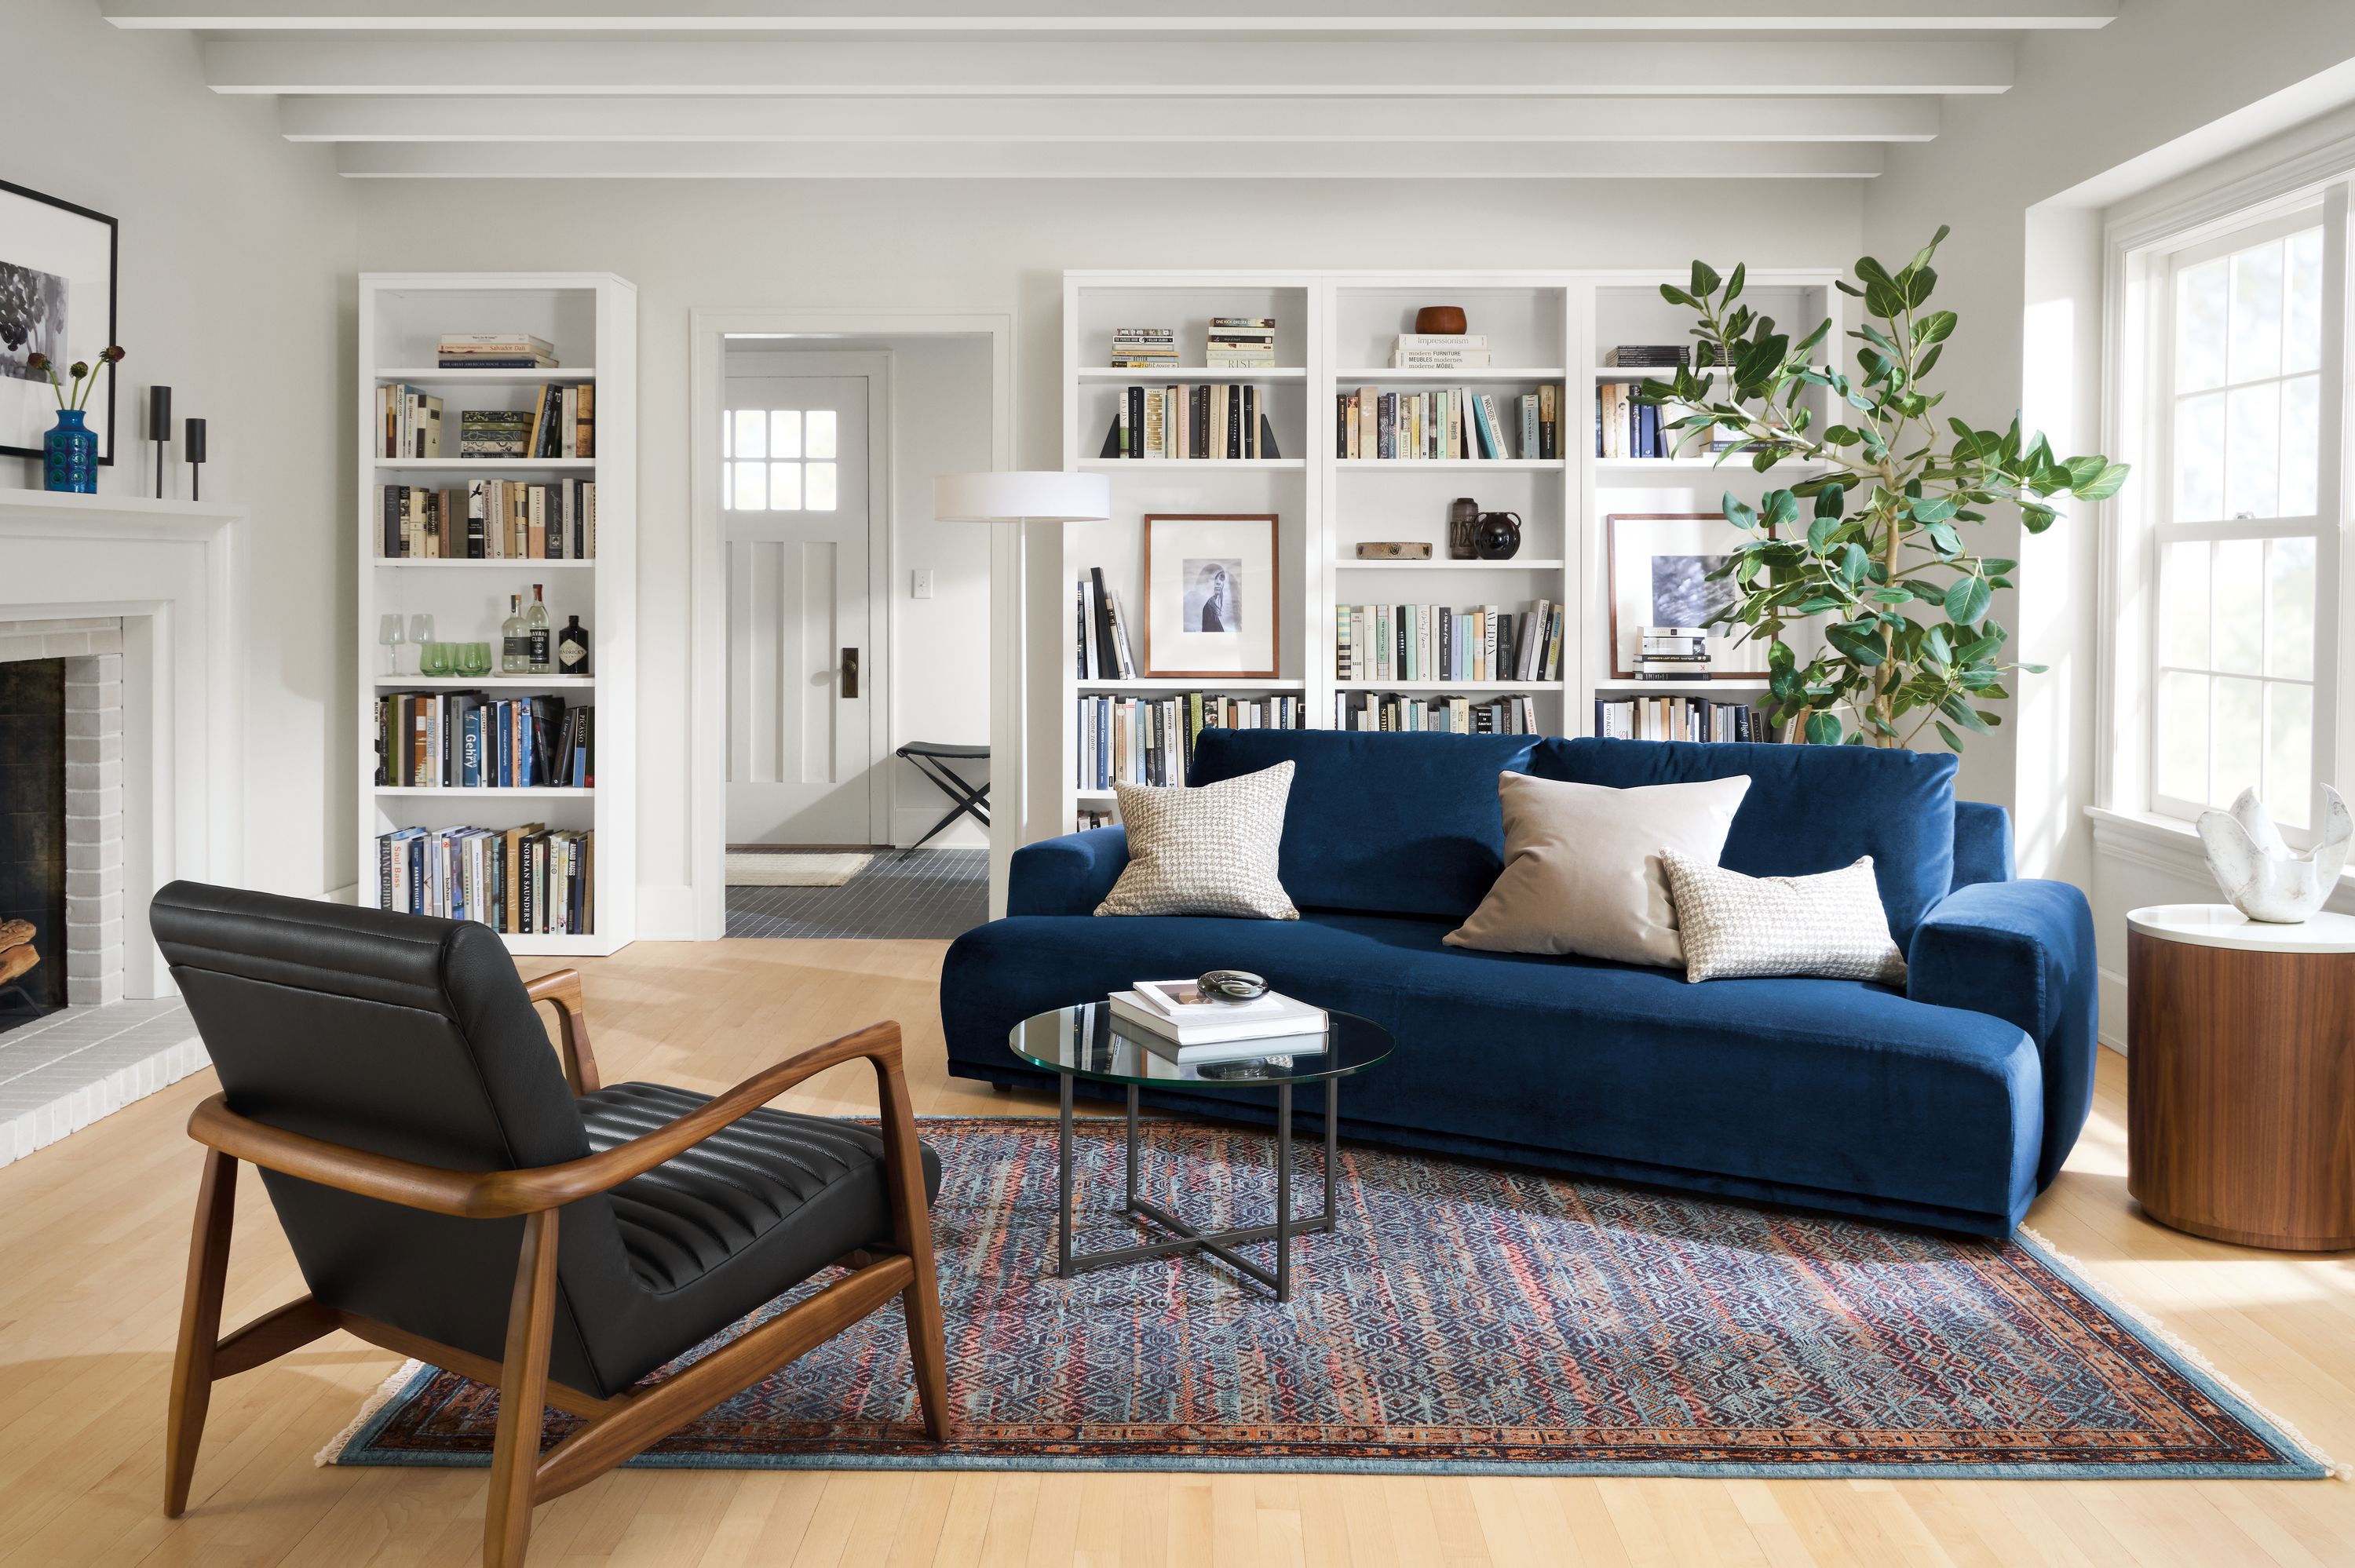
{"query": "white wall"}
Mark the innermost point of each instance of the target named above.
(1002, 246)
(234, 289)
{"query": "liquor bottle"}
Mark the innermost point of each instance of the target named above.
(515, 640)
(572, 649)
(534, 621)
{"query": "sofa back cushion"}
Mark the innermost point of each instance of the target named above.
(1386, 823)
(1810, 809)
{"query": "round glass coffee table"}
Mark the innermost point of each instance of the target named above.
(1086, 1041)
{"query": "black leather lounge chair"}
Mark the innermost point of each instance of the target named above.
(390, 1076)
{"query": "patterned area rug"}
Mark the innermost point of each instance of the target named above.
(792, 868)
(1467, 1320)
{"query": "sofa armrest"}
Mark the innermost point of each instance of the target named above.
(2022, 951)
(1070, 875)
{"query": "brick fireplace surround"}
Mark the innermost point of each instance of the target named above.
(137, 597)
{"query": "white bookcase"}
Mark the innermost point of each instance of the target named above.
(1335, 332)
(591, 318)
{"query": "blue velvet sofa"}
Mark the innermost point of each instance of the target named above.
(1949, 1103)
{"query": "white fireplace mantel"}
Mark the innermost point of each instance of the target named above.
(169, 569)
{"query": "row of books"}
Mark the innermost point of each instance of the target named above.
(1208, 421)
(1453, 424)
(1441, 715)
(494, 351)
(1437, 642)
(560, 423)
(1626, 429)
(1678, 718)
(1647, 356)
(1101, 642)
(491, 520)
(1150, 740)
(1440, 351)
(529, 879)
(472, 740)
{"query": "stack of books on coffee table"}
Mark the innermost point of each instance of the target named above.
(1176, 1019)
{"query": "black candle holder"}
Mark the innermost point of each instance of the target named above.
(159, 428)
(194, 449)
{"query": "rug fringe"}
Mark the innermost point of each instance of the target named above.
(2116, 1302)
(385, 1391)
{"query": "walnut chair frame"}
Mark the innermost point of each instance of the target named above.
(617, 1427)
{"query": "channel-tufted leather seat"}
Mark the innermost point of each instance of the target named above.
(691, 1213)
(420, 1143)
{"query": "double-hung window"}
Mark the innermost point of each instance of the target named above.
(2247, 377)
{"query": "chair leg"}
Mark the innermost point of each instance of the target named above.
(523, 1396)
(920, 1303)
(911, 1226)
(200, 1312)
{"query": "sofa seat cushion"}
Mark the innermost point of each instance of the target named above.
(728, 1196)
(1811, 808)
(1840, 1085)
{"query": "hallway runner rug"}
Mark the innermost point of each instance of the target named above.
(1467, 1320)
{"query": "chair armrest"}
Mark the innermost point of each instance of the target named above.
(562, 988)
(502, 1194)
(1070, 875)
(2022, 951)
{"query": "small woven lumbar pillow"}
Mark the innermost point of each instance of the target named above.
(1206, 850)
(1830, 925)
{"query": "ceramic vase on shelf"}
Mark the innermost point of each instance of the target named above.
(1497, 537)
(1463, 522)
(69, 454)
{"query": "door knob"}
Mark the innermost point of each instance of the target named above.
(850, 672)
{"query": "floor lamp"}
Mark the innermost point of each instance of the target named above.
(1011, 499)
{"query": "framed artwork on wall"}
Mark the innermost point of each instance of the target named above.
(57, 297)
(1658, 567)
(1210, 595)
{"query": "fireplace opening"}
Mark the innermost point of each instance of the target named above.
(32, 840)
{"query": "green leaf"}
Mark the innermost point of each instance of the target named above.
(1935, 327)
(1831, 500)
(1967, 601)
(1953, 742)
(1704, 280)
(1944, 538)
(1853, 563)
(1884, 300)
(1933, 509)
(2105, 484)
(1860, 641)
(1733, 284)
(1841, 436)
(1676, 296)
(1820, 532)
(1824, 729)
(1919, 281)
(1782, 508)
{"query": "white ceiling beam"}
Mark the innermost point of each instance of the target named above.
(818, 18)
(1073, 161)
(1649, 121)
(1187, 70)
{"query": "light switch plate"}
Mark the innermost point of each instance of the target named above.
(920, 584)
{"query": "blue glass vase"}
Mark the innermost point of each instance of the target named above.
(69, 454)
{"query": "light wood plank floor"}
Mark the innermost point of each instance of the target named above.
(93, 1234)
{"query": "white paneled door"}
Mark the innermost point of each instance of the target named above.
(802, 683)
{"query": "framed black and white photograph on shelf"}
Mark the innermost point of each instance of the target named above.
(1660, 568)
(1210, 595)
(56, 298)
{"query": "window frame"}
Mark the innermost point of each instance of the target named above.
(2145, 259)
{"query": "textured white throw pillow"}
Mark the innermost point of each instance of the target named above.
(1207, 851)
(1830, 925)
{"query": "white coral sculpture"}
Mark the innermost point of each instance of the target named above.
(2259, 872)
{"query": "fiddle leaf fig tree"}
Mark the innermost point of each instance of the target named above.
(1878, 540)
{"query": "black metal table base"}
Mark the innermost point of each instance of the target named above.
(1219, 1245)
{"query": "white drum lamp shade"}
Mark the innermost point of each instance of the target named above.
(1045, 496)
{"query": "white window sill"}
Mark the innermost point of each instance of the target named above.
(2171, 845)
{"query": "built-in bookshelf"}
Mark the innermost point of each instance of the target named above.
(1335, 336)
(583, 817)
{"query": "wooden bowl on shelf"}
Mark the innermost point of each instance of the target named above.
(1440, 320)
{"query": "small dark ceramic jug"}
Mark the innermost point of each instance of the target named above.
(1497, 535)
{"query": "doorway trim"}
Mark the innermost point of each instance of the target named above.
(707, 727)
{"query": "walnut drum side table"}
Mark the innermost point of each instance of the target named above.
(2241, 1076)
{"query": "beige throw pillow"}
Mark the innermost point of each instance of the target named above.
(1831, 924)
(1208, 850)
(1583, 872)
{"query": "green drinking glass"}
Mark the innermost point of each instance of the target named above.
(477, 660)
(433, 658)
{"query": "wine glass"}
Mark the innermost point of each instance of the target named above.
(389, 632)
(421, 629)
